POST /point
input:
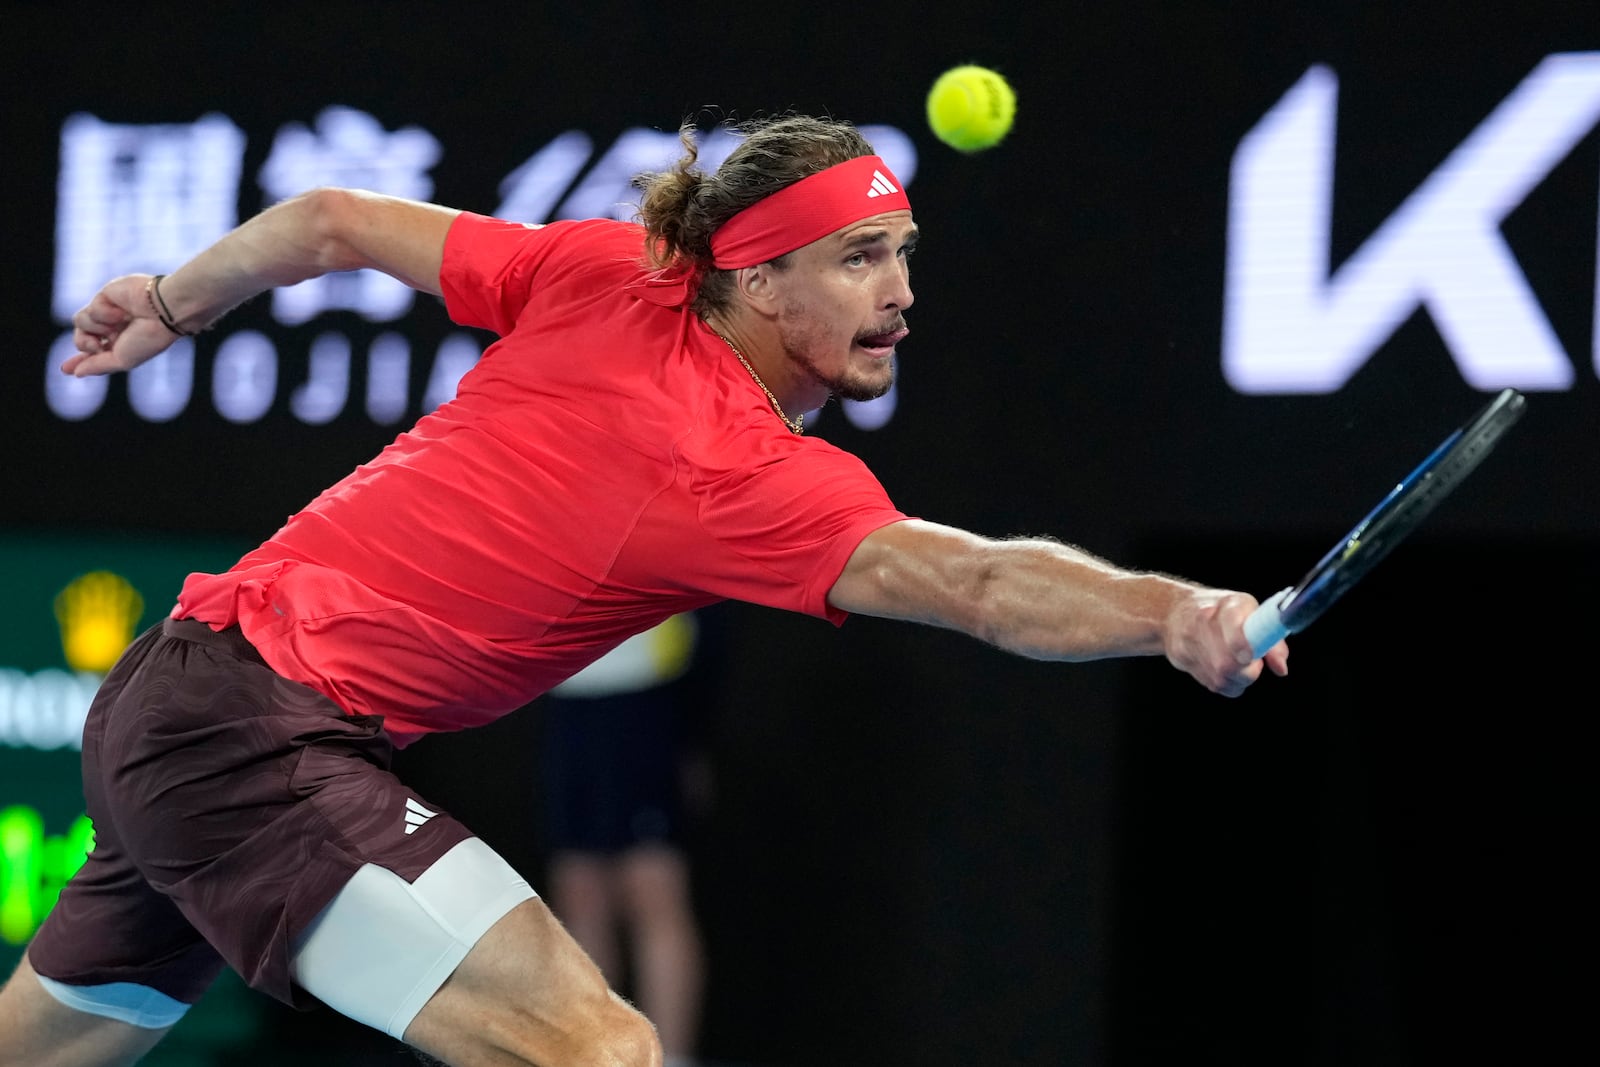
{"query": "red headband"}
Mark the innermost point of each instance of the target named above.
(809, 209)
(793, 216)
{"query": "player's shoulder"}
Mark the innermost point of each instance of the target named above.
(589, 248)
(597, 231)
(576, 233)
(743, 442)
(601, 242)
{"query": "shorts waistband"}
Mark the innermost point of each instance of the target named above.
(231, 639)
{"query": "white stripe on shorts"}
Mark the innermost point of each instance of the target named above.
(129, 1002)
(383, 946)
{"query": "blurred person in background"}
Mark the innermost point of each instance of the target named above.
(623, 771)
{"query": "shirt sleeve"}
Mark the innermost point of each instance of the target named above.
(789, 523)
(493, 267)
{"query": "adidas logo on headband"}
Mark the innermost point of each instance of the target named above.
(811, 208)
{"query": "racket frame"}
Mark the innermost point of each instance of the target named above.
(1401, 511)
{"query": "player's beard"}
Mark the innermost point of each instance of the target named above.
(851, 383)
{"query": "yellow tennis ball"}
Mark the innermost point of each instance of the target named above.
(970, 108)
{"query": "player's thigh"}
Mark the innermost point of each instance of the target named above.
(37, 1030)
(527, 989)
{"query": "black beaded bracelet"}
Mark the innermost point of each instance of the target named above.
(152, 292)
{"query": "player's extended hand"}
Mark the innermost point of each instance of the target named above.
(1205, 638)
(117, 330)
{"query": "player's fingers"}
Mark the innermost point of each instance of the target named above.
(125, 350)
(1232, 611)
(87, 364)
(1236, 682)
(91, 343)
(96, 325)
(101, 315)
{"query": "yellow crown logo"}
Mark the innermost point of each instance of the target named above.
(97, 612)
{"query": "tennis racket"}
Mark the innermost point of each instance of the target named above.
(1298, 606)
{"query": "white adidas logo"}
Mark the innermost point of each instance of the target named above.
(880, 186)
(416, 816)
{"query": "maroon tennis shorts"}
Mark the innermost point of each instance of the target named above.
(230, 805)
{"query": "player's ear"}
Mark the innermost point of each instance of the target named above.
(758, 286)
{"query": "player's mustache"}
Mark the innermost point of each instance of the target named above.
(895, 326)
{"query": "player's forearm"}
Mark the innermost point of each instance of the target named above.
(1052, 601)
(287, 243)
(1037, 597)
(319, 232)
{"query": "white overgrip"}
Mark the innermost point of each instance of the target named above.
(1264, 627)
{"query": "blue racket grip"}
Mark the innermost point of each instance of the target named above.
(1264, 627)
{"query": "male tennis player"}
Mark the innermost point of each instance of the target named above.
(630, 448)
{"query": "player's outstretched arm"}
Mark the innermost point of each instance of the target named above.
(1047, 600)
(315, 233)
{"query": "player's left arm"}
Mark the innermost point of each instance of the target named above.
(1047, 600)
(318, 232)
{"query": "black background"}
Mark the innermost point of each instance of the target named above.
(922, 850)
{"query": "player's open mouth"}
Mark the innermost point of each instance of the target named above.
(882, 344)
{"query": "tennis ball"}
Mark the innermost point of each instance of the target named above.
(970, 108)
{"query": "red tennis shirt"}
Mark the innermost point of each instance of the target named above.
(606, 464)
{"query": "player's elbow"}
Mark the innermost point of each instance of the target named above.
(331, 217)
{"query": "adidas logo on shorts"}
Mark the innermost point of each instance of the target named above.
(416, 816)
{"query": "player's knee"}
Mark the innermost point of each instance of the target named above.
(612, 1034)
(627, 1038)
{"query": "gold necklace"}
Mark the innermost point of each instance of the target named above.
(796, 426)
